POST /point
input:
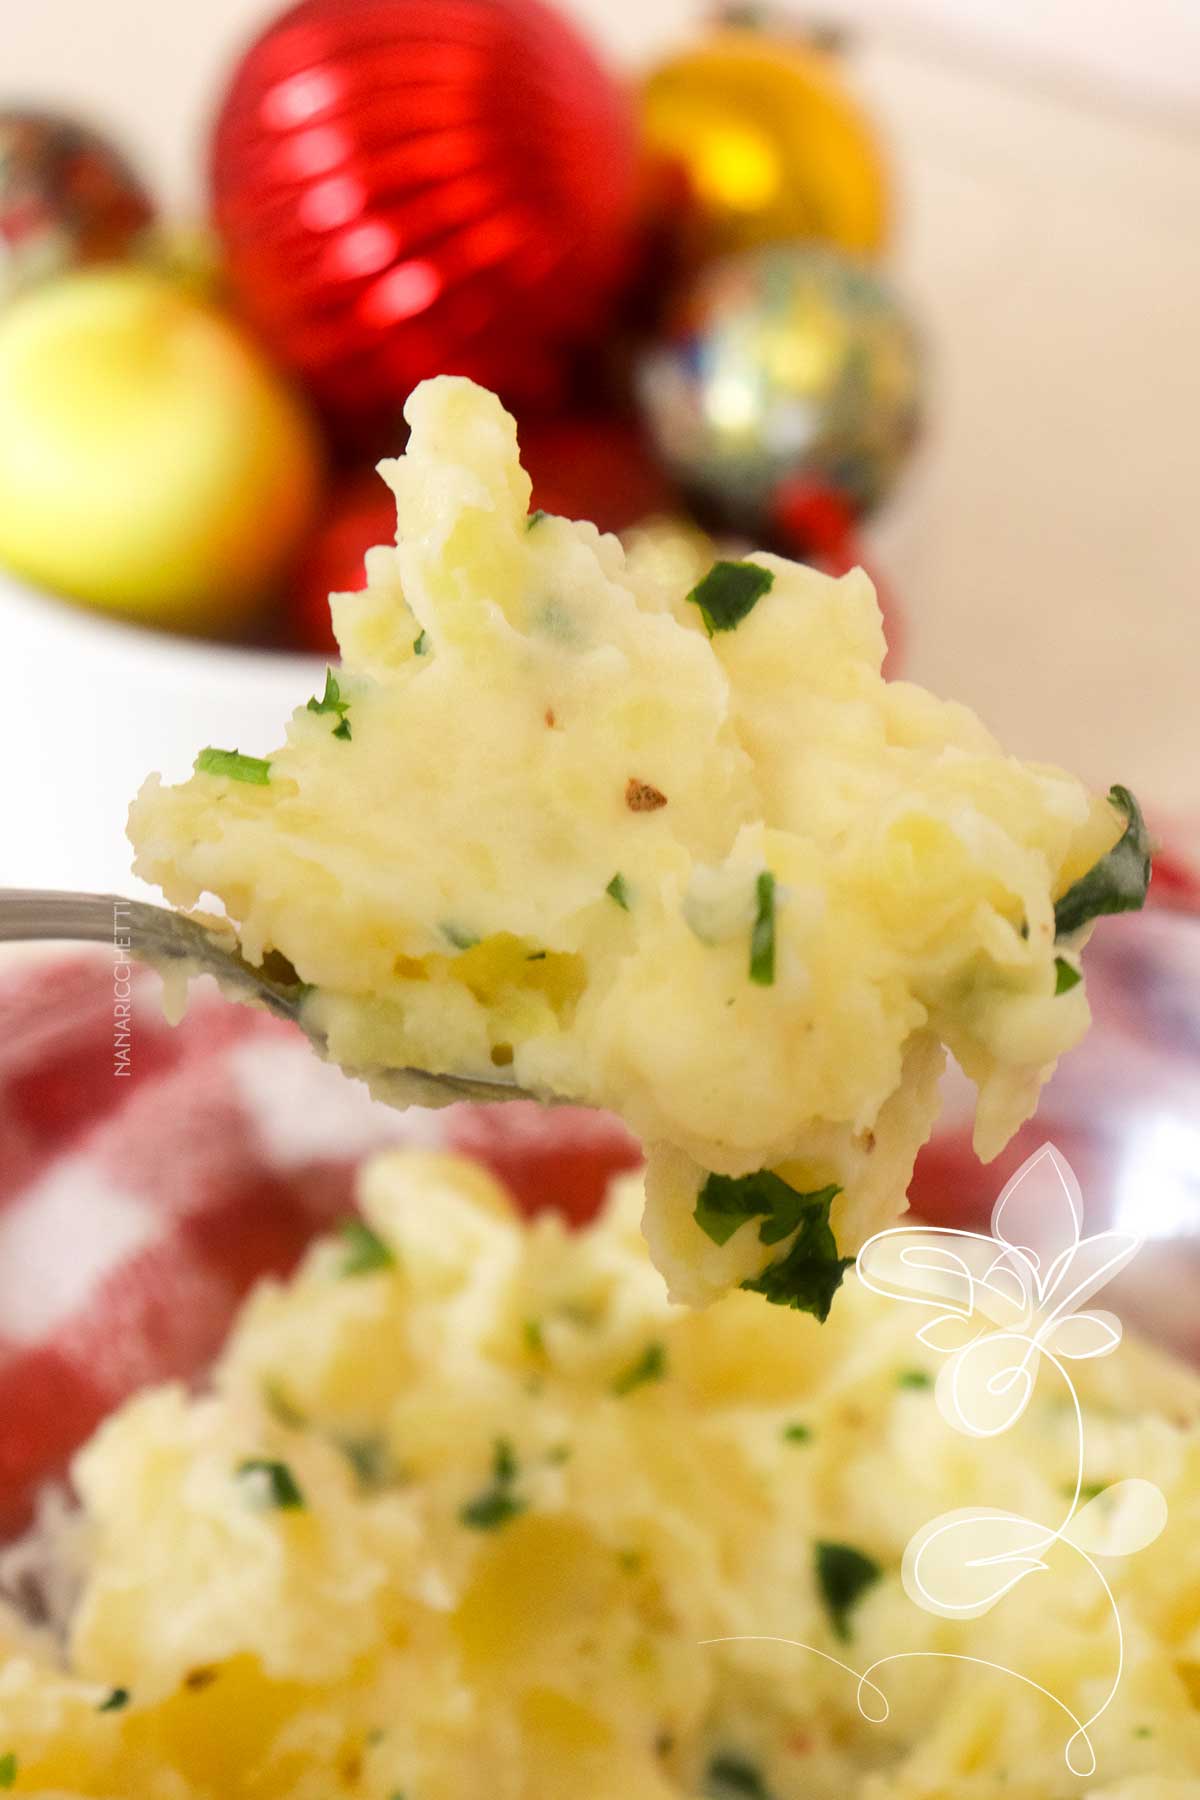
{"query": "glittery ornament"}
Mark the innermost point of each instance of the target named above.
(67, 197)
(413, 187)
(779, 363)
(771, 144)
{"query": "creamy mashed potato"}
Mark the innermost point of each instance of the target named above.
(470, 1495)
(559, 821)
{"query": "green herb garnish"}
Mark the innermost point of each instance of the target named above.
(1066, 975)
(8, 1769)
(914, 1378)
(797, 1434)
(1118, 882)
(762, 937)
(843, 1575)
(282, 1489)
(462, 940)
(1088, 1490)
(421, 643)
(727, 1201)
(535, 518)
(254, 769)
(368, 1457)
(616, 890)
(651, 1365)
(535, 1341)
(117, 1701)
(497, 1504)
(490, 1510)
(365, 1251)
(331, 702)
(281, 1407)
(811, 1272)
(728, 592)
(733, 1777)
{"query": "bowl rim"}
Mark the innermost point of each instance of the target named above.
(64, 622)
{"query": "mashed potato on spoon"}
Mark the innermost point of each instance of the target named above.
(684, 855)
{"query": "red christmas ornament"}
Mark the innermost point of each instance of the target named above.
(67, 197)
(360, 513)
(413, 187)
(594, 468)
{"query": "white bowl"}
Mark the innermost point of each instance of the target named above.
(90, 706)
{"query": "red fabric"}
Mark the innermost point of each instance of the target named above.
(136, 1210)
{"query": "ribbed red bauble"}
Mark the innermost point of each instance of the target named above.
(407, 188)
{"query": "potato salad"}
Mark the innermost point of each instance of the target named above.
(472, 1512)
(559, 821)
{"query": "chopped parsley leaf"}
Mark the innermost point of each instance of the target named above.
(1088, 1490)
(651, 1365)
(421, 643)
(535, 518)
(797, 1434)
(462, 940)
(331, 702)
(616, 890)
(8, 1769)
(491, 1509)
(843, 1575)
(283, 1492)
(117, 1701)
(1118, 882)
(497, 1504)
(558, 1454)
(1142, 1731)
(762, 937)
(914, 1378)
(727, 1201)
(729, 592)
(536, 956)
(254, 769)
(280, 1406)
(811, 1272)
(1066, 975)
(535, 1341)
(368, 1457)
(733, 1777)
(365, 1251)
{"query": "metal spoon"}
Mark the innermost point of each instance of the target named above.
(164, 939)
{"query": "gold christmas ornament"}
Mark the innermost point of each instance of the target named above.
(770, 143)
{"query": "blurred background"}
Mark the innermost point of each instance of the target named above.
(959, 344)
